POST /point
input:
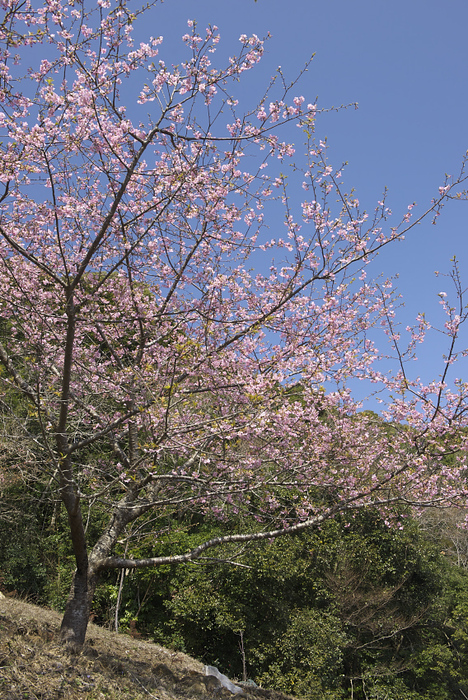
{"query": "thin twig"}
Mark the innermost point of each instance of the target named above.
(145, 689)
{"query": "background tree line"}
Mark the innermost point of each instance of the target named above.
(353, 609)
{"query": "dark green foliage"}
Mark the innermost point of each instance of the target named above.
(356, 609)
(308, 656)
(23, 566)
(36, 556)
(356, 605)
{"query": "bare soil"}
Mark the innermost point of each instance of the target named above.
(34, 666)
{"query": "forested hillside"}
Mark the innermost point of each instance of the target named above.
(111, 667)
(354, 609)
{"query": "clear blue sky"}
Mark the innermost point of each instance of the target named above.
(406, 63)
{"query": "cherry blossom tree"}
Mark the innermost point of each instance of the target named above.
(176, 344)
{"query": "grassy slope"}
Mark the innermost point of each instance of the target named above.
(33, 666)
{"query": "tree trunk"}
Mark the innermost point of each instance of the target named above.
(76, 617)
(86, 577)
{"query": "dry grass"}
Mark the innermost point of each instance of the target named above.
(33, 666)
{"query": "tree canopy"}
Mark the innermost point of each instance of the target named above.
(163, 352)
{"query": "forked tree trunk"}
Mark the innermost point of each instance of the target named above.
(76, 617)
(85, 579)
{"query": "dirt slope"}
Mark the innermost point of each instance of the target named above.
(33, 666)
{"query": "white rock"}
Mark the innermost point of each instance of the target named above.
(224, 680)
